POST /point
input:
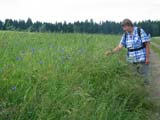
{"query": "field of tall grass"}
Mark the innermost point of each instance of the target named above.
(156, 40)
(53, 76)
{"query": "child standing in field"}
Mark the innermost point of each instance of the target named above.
(138, 45)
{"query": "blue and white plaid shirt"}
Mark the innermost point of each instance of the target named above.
(134, 41)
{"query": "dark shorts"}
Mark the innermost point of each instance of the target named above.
(142, 69)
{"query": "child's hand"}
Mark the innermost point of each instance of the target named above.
(107, 53)
(147, 61)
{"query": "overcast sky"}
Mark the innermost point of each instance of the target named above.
(73, 10)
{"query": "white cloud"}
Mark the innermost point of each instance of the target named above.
(73, 10)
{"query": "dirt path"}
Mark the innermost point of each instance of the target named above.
(155, 81)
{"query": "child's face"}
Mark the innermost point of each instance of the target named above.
(127, 28)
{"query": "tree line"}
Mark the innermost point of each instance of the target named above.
(87, 26)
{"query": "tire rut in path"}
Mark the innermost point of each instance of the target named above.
(154, 86)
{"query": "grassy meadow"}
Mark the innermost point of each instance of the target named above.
(156, 40)
(155, 46)
(55, 76)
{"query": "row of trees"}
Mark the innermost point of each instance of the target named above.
(88, 26)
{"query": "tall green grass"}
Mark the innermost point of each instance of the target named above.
(46, 76)
(156, 40)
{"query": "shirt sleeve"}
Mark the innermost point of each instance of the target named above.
(123, 41)
(144, 36)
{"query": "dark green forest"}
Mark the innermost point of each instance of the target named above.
(87, 26)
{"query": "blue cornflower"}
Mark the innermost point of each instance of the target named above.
(18, 58)
(13, 88)
(33, 50)
(41, 62)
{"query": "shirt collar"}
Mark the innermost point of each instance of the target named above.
(134, 30)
